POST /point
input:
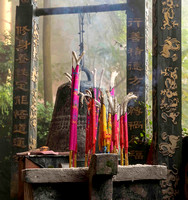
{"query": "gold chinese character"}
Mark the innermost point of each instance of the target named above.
(21, 100)
(22, 58)
(20, 128)
(135, 125)
(135, 66)
(136, 21)
(135, 37)
(132, 153)
(135, 80)
(22, 45)
(138, 51)
(135, 111)
(24, 100)
(130, 51)
(20, 114)
(21, 72)
(19, 142)
(22, 30)
(139, 155)
(21, 86)
(138, 124)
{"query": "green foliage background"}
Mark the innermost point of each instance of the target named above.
(185, 67)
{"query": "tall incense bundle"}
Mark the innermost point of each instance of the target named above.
(121, 135)
(74, 111)
(125, 124)
(109, 132)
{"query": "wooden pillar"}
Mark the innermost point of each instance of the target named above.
(167, 139)
(24, 133)
(136, 75)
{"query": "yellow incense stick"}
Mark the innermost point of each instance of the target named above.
(85, 160)
(126, 159)
(122, 157)
(70, 159)
(115, 150)
(108, 148)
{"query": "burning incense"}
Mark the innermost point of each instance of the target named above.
(115, 128)
(98, 96)
(112, 82)
(91, 129)
(102, 141)
(111, 108)
(87, 138)
(109, 132)
(95, 82)
(125, 124)
(121, 135)
(95, 98)
(74, 111)
(93, 123)
(115, 131)
(126, 139)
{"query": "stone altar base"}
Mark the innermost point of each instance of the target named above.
(103, 180)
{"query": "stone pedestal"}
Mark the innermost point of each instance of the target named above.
(101, 170)
(105, 178)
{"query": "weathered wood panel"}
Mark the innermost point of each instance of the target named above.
(136, 75)
(24, 133)
(167, 139)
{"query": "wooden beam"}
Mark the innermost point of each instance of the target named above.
(81, 9)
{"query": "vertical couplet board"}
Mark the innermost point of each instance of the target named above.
(24, 132)
(167, 139)
(136, 76)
